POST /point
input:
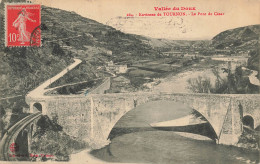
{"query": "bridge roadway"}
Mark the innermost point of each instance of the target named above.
(11, 135)
(40, 90)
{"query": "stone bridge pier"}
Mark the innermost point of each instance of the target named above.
(22, 141)
(31, 128)
(92, 117)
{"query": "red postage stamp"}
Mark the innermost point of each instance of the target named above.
(21, 22)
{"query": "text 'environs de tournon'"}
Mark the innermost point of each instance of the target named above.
(177, 11)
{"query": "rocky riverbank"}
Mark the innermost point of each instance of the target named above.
(249, 139)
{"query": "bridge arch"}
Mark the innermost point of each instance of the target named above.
(38, 107)
(137, 105)
(248, 120)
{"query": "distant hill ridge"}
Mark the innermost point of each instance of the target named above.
(244, 37)
(252, 31)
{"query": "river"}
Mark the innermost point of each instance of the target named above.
(134, 141)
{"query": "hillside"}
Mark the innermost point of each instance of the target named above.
(166, 43)
(242, 33)
(236, 41)
(240, 40)
(254, 60)
(65, 35)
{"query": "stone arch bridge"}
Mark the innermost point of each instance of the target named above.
(92, 117)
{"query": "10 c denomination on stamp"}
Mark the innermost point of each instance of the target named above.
(20, 21)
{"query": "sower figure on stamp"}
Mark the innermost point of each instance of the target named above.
(20, 24)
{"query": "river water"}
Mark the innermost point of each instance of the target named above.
(134, 141)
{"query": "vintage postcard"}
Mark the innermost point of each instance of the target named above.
(130, 81)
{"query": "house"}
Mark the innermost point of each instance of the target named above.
(110, 63)
(108, 52)
(116, 68)
(121, 68)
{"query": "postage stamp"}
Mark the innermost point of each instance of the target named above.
(21, 20)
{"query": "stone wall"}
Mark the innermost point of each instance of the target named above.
(73, 115)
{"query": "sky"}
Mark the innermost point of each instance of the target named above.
(237, 13)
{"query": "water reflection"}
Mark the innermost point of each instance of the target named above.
(133, 140)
